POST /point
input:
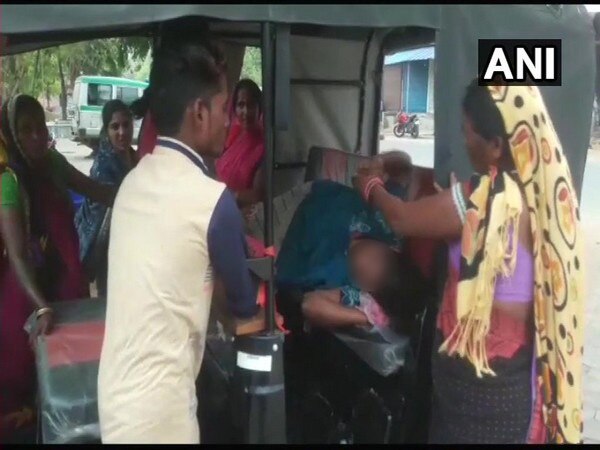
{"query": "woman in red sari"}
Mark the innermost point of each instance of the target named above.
(39, 251)
(240, 167)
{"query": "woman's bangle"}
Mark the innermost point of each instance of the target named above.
(375, 181)
(42, 311)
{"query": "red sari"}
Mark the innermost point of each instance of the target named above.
(244, 152)
(148, 136)
(17, 363)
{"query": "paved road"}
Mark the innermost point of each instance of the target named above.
(76, 154)
(590, 215)
(421, 150)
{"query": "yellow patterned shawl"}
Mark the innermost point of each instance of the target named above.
(493, 207)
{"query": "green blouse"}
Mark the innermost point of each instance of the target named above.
(10, 194)
(10, 197)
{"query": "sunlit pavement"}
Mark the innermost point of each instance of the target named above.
(421, 150)
(590, 215)
(76, 154)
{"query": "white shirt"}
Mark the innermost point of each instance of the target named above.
(158, 301)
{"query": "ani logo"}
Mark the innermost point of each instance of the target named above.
(529, 61)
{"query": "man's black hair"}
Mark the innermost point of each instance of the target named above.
(182, 72)
(140, 107)
(172, 34)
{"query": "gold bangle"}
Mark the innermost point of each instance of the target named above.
(41, 311)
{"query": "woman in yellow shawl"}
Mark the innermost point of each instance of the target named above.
(509, 338)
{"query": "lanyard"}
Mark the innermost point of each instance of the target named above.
(185, 152)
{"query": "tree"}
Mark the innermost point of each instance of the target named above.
(54, 71)
(109, 57)
(14, 74)
(143, 70)
(48, 83)
(252, 66)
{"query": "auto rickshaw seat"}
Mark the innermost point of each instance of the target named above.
(371, 420)
(284, 207)
(340, 166)
(319, 420)
(384, 357)
(342, 376)
(332, 164)
(383, 360)
(67, 362)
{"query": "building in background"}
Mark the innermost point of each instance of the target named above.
(408, 78)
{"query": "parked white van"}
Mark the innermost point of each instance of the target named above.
(90, 94)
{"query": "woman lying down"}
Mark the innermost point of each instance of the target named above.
(347, 262)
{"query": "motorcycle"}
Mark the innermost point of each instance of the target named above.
(406, 124)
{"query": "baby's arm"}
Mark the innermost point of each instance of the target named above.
(325, 309)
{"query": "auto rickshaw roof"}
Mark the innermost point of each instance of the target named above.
(46, 18)
(30, 27)
(457, 30)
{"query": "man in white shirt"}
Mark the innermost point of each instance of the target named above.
(171, 227)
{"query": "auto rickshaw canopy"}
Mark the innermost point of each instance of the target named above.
(336, 59)
(322, 78)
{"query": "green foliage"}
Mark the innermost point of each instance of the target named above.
(142, 72)
(53, 71)
(32, 73)
(252, 67)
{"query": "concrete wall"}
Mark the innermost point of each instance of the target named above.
(418, 82)
(392, 87)
(430, 86)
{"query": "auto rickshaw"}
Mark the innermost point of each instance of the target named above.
(322, 76)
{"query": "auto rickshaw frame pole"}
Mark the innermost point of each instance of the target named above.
(267, 36)
(258, 384)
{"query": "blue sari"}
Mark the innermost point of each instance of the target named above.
(314, 252)
(107, 168)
